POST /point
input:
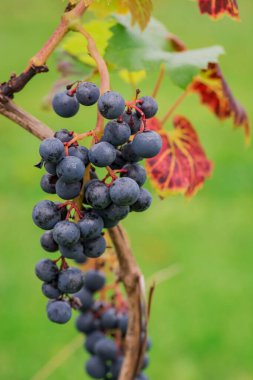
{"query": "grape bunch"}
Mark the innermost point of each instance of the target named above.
(104, 324)
(76, 225)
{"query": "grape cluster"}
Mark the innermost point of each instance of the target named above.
(75, 226)
(104, 325)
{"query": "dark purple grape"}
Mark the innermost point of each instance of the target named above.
(81, 152)
(94, 280)
(64, 135)
(111, 105)
(124, 191)
(96, 368)
(59, 311)
(70, 280)
(136, 172)
(87, 93)
(52, 150)
(97, 194)
(133, 120)
(48, 243)
(67, 190)
(116, 133)
(46, 214)
(102, 154)
(48, 182)
(65, 105)
(70, 169)
(147, 144)
(148, 106)
(94, 248)
(46, 270)
(50, 290)
(66, 233)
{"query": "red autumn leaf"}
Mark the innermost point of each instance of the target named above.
(181, 166)
(217, 8)
(215, 93)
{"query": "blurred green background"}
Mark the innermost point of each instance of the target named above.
(202, 319)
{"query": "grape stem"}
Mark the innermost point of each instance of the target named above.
(103, 72)
(159, 81)
(174, 107)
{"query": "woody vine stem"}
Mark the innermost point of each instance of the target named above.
(130, 274)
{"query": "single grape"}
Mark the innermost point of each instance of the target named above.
(87, 93)
(110, 224)
(59, 311)
(85, 297)
(94, 280)
(81, 259)
(46, 270)
(123, 323)
(90, 225)
(74, 252)
(141, 376)
(85, 323)
(145, 363)
(48, 243)
(50, 167)
(149, 344)
(106, 349)
(116, 367)
(143, 202)
(148, 106)
(102, 154)
(81, 152)
(116, 133)
(48, 182)
(50, 290)
(119, 161)
(91, 341)
(96, 368)
(70, 169)
(67, 190)
(70, 280)
(97, 194)
(147, 144)
(113, 213)
(124, 191)
(65, 105)
(94, 248)
(136, 172)
(64, 135)
(111, 105)
(52, 150)
(129, 154)
(66, 233)
(109, 319)
(46, 214)
(133, 120)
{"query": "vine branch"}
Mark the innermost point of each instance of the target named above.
(131, 278)
(37, 62)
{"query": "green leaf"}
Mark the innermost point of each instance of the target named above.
(184, 66)
(130, 48)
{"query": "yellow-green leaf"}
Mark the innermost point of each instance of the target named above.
(132, 77)
(76, 45)
(141, 11)
(104, 7)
